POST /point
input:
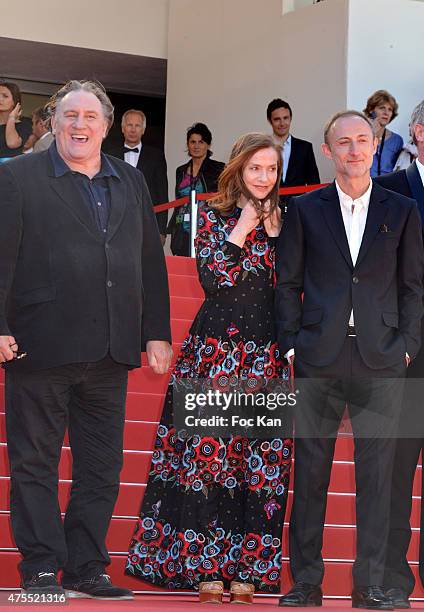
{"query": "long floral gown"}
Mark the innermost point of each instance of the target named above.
(214, 508)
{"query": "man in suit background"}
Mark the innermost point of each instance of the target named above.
(399, 579)
(149, 160)
(299, 165)
(354, 250)
(83, 289)
(40, 130)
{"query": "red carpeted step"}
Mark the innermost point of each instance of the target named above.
(185, 285)
(144, 406)
(181, 265)
(128, 502)
(185, 308)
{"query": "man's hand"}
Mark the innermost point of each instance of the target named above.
(8, 348)
(159, 355)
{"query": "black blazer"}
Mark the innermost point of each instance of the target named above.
(384, 287)
(407, 182)
(209, 175)
(302, 168)
(67, 293)
(152, 163)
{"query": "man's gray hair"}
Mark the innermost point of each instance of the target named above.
(135, 112)
(93, 87)
(417, 117)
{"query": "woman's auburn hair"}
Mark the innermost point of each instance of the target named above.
(381, 96)
(231, 184)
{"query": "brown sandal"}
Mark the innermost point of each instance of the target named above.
(241, 592)
(211, 592)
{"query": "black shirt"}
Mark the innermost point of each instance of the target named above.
(95, 191)
(24, 129)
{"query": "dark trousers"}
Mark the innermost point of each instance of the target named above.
(397, 572)
(89, 399)
(408, 448)
(374, 399)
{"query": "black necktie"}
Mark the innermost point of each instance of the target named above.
(127, 150)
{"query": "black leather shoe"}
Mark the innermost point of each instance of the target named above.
(42, 582)
(371, 598)
(399, 598)
(302, 595)
(98, 587)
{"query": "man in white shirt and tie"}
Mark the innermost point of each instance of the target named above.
(354, 251)
(149, 160)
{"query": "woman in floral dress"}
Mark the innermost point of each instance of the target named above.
(213, 509)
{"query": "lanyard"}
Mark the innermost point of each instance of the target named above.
(380, 152)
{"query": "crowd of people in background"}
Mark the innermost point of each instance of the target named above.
(18, 136)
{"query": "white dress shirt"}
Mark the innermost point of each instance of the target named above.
(420, 167)
(131, 157)
(354, 213)
(286, 151)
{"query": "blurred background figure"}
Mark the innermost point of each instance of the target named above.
(200, 173)
(14, 129)
(382, 108)
(408, 154)
(40, 129)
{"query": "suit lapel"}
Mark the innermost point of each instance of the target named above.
(68, 192)
(330, 206)
(377, 211)
(416, 186)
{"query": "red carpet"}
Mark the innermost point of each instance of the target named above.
(144, 404)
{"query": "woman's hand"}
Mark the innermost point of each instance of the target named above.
(272, 221)
(15, 114)
(247, 222)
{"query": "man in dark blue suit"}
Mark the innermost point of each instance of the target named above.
(399, 579)
(354, 250)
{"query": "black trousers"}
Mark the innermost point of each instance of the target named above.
(374, 399)
(89, 399)
(408, 448)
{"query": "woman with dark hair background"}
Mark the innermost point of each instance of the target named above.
(14, 131)
(382, 108)
(213, 510)
(200, 173)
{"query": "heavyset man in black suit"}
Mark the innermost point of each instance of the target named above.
(149, 160)
(399, 579)
(354, 250)
(83, 289)
(299, 165)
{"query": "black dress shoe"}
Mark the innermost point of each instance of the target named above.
(399, 598)
(42, 582)
(371, 598)
(98, 587)
(302, 595)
